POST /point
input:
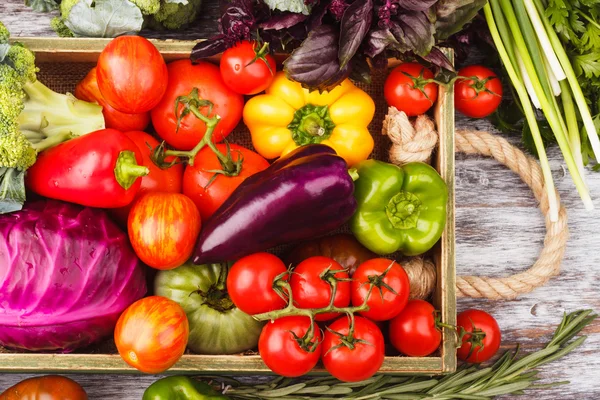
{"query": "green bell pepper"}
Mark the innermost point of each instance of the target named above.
(181, 388)
(399, 208)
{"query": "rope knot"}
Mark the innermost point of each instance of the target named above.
(409, 143)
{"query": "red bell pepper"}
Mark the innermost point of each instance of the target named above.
(100, 169)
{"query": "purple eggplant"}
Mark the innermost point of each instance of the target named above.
(305, 194)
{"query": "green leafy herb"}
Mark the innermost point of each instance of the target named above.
(104, 18)
(512, 373)
(42, 5)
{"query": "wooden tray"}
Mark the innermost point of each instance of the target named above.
(63, 62)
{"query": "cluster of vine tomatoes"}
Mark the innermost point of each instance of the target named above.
(411, 87)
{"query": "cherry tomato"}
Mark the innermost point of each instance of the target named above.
(404, 89)
(383, 303)
(279, 346)
(247, 68)
(477, 98)
(310, 290)
(486, 339)
(359, 363)
(250, 283)
(87, 89)
(49, 387)
(209, 197)
(157, 180)
(151, 334)
(183, 78)
(163, 228)
(413, 332)
(132, 75)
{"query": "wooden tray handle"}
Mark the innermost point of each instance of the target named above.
(409, 145)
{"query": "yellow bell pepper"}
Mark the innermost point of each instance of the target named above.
(288, 116)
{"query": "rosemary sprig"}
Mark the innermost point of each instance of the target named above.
(510, 374)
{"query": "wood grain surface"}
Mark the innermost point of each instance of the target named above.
(499, 232)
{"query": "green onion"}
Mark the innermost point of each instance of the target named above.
(526, 104)
(521, 33)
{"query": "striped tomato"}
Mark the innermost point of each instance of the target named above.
(152, 334)
(163, 228)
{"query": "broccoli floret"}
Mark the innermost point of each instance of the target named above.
(147, 7)
(58, 25)
(16, 151)
(177, 15)
(4, 34)
(33, 118)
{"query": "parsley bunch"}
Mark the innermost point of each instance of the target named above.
(577, 23)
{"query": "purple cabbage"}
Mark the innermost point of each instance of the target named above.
(66, 274)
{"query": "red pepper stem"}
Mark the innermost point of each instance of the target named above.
(127, 170)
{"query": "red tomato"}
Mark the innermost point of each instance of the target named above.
(383, 303)
(158, 179)
(196, 177)
(311, 291)
(413, 332)
(163, 228)
(359, 363)
(132, 75)
(246, 68)
(151, 334)
(404, 89)
(486, 339)
(87, 90)
(250, 283)
(48, 387)
(281, 350)
(183, 77)
(477, 98)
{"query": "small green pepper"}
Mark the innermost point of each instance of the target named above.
(399, 208)
(181, 388)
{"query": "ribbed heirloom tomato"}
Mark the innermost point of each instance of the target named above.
(87, 89)
(152, 334)
(49, 387)
(163, 228)
(132, 75)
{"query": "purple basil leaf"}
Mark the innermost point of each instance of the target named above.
(317, 15)
(379, 62)
(354, 27)
(315, 63)
(416, 5)
(208, 48)
(437, 58)
(453, 15)
(414, 31)
(361, 70)
(283, 21)
(378, 41)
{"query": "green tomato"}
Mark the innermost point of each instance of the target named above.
(217, 326)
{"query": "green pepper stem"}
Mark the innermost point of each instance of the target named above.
(353, 172)
(127, 170)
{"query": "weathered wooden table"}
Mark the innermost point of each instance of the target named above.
(499, 231)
